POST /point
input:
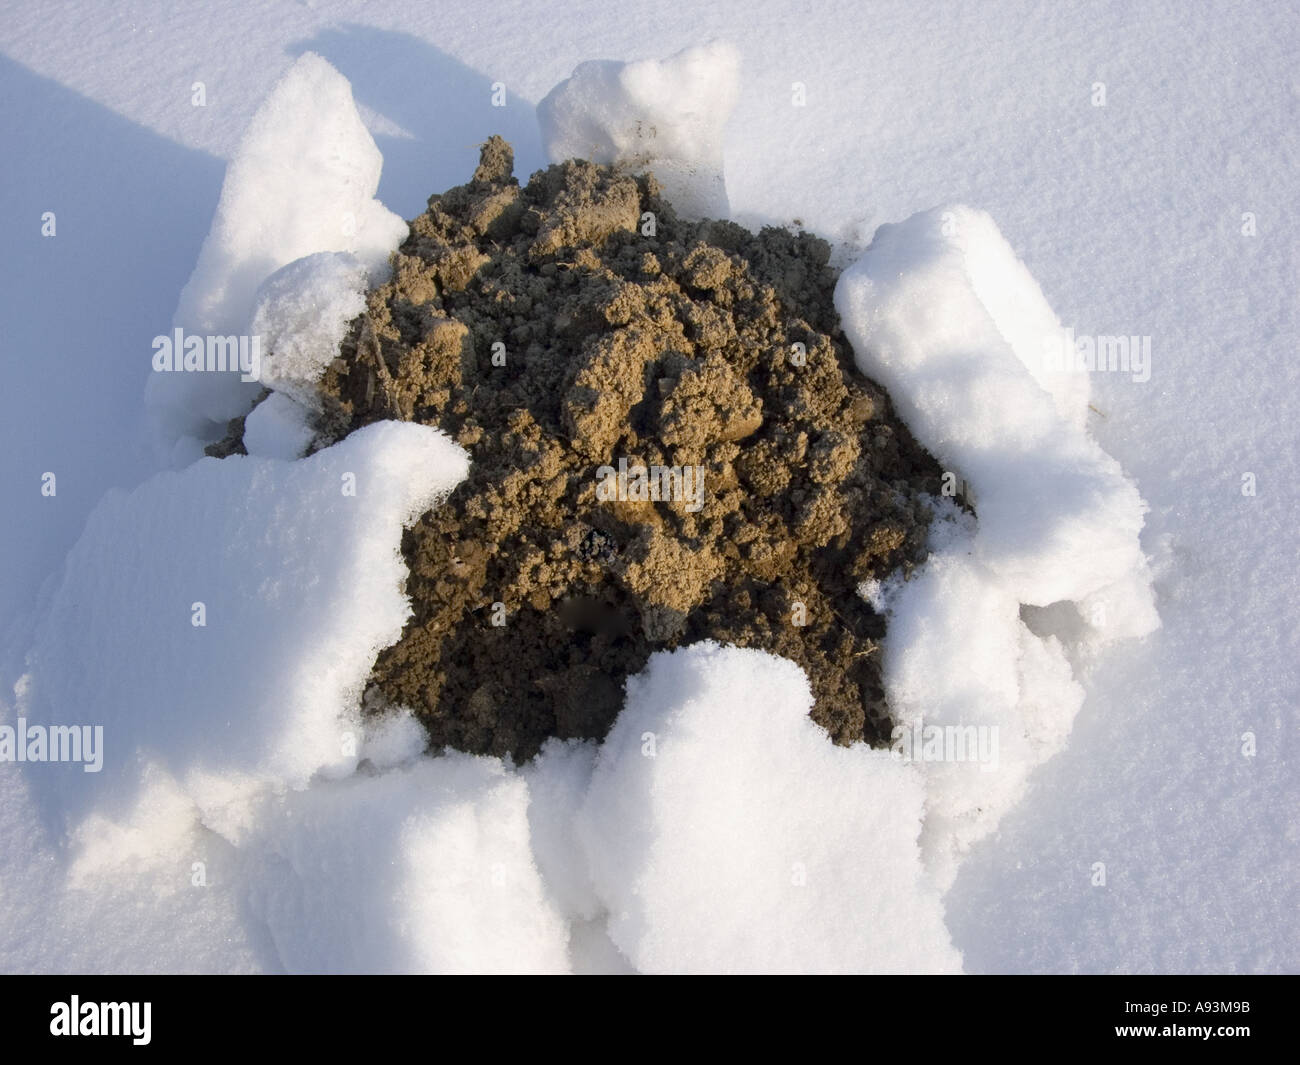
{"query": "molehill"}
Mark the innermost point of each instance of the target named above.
(592, 351)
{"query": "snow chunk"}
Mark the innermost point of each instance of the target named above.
(663, 115)
(303, 180)
(726, 833)
(558, 779)
(298, 585)
(392, 738)
(277, 428)
(420, 870)
(1057, 518)
(977, 699)
(158, 895)
(941, 312)
(302, 312)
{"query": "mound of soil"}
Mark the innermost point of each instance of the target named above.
(669, 443)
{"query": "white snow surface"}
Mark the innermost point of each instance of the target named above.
(1130, 172)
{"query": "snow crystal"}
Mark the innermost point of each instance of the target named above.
(660, 115)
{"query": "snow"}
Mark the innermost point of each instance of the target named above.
(278, 428)
(425, 869)
(941, 312)
(302, 312)
(393, 738)
(220, 640)
(665, 116)
(1161, 213)
(968, 381)
(957, 654)
(724, 834)
(302, 181)
(128, 900)
(558, 780)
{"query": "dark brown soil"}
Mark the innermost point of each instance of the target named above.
(666, 345)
